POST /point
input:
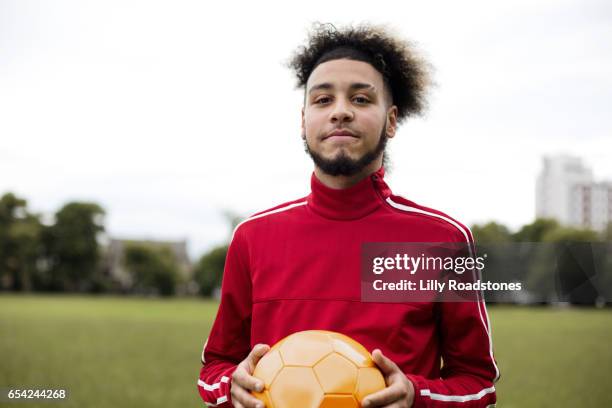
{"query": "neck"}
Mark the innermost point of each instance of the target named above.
(342, 182)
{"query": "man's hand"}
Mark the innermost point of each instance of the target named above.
(243, 382)
(399, 392)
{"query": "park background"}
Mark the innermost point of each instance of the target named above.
(134, 135)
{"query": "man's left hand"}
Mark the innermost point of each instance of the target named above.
(399, 392)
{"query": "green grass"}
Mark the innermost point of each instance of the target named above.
(131, 352)
(553, 357)
(108, 352)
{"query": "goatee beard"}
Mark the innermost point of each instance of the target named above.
(344, 165)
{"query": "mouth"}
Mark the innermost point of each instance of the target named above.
(341, 134)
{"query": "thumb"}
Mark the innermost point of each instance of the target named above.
(386, 365)
(256, 354)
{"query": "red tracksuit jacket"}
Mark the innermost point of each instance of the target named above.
(297, 267)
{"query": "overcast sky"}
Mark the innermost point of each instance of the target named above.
(168, 113)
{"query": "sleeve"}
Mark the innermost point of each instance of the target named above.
(469, 370)
(229, 339)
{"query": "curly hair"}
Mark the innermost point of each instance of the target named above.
(405, 74)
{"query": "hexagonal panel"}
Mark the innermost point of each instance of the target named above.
(336, 374)
(296, 387)
(339, 401)
(267, 368)
(352, 350)
(369, 380)
(305, 348)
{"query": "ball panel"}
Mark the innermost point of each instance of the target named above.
(305, 349)
(339, 401)
(369, 380)
(336, 374)
(268, 367)
(296, 387)
(352, 350)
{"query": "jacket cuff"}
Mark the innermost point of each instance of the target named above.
(228, 373)
(418, 384)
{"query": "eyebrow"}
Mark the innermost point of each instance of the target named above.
(353, 86)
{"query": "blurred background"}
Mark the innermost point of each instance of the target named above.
(135, 135)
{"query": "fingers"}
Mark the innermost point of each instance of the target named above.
(246, 380)
(242, 398)
(256, 354)
(393, 392)
(242, 374)
(384, 397)
(385, 365)
(243, 381)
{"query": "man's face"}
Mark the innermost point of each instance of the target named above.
(346, 117)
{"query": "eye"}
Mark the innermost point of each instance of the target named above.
(362, 100)
(323, 100)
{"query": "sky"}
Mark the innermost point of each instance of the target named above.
(170, 113)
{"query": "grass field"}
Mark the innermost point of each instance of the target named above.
(130, 352)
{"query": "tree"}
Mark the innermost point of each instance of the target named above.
(208, 272)
(570, 234)
(20, 244)
(493, 242)
(536, 231)
(491, 232)
(153, 270)
(575, 259)
(72, 246)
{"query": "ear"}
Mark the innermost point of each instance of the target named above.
(391, 122)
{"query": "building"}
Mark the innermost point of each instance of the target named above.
(592, 205)
(567, 192)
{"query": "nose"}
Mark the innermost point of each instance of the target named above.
(341, 112)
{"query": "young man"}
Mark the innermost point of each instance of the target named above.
(297, 266)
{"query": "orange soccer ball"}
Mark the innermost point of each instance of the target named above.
(317, 368)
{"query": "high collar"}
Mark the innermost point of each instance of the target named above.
(349, 203)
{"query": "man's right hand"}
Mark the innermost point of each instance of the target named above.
(243, 382)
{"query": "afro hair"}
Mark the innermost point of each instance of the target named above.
(405, 74)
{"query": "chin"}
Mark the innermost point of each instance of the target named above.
(348, 151)
(340, 153)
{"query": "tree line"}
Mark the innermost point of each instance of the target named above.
(555, 263)
(65, 254)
